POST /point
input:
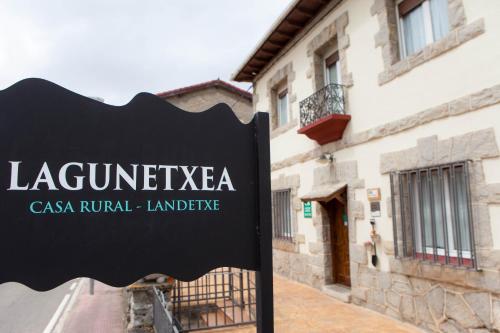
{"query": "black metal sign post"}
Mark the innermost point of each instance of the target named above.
(117, 193)
(265, 310)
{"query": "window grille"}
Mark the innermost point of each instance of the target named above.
(282, 221)
(432, 216)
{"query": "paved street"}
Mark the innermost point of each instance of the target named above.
(70, 308)
(102, 312)
(299, 308)
(23, 310)
(67, 309)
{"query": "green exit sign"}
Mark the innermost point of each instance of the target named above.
(308, 209)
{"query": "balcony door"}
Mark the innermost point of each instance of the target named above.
(333, 91)
(332, 69)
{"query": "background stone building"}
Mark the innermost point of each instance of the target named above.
(202, 96)
(384, 151)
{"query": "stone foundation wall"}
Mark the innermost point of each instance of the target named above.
(435, 297)
(140, 297)
(140, 311)
(294, 266)
(435, 306)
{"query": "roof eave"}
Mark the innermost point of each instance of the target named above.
(259, 45)
(297, 16)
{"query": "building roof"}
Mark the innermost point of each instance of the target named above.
(288, 25)
(209, 84)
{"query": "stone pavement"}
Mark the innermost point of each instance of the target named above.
(103, 312)
(301, 309)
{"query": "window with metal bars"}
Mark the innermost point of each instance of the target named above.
(282, 219)
(432, 216)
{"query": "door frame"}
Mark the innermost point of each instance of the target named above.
(339, 200)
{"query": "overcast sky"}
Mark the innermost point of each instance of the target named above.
(116, 48)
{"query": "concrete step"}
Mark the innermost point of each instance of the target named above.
(339, 292)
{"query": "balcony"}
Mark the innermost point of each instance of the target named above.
(322, 115)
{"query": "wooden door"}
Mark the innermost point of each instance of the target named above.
(339, 230)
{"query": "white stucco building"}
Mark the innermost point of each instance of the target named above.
(359, 90)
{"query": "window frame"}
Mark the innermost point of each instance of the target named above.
(279, 97)
(403, 185)
(282, 215)
(450, 246)
(332, 58)
(428, 27)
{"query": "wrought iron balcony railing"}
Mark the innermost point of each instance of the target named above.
(326, 101)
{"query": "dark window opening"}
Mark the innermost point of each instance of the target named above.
(282, 219)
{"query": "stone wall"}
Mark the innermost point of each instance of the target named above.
(465, 104)
(291, 183)
(140, 302)
(332, 37)
(437, 297)
(387, 38)
(474, 147)
(281, 80)
(140, 310)
(292, 265)
(434, 297)
(287, 260)
(433, 305)
(202, 100)
(315, 268)
(331, 174)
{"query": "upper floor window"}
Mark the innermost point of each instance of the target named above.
(282, 218)
(334, 93)
(332, 69)
(435, 216)
(421, 22)
(282, 108)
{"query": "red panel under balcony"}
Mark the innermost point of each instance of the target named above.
(326, 129)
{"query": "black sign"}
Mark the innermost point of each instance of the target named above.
(117, 193)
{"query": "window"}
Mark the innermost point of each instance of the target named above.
(282, 108)
(435, 220)
(421, 22)
(333, 95)
(332, 69)
(282, 221)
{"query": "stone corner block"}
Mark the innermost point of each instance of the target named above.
(358, 254)
(300, 238)
(357, 210)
